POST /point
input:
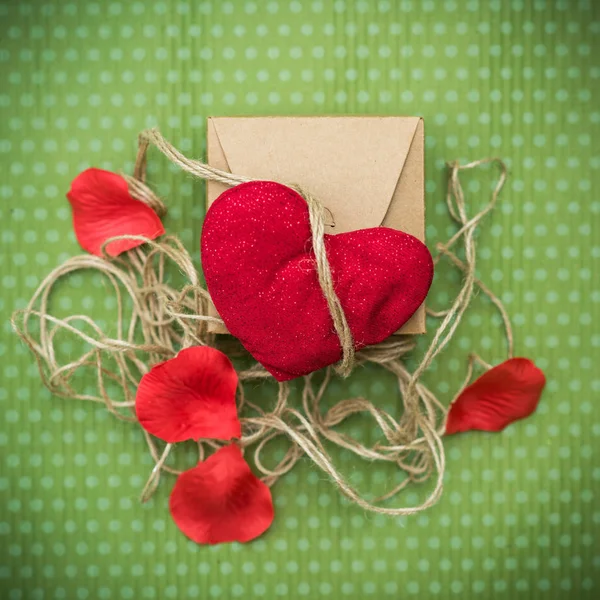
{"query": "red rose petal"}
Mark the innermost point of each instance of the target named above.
(221, 500)
(190, 396)
(508, 392)
(103, 208)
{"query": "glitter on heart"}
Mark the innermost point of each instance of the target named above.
(258, 262)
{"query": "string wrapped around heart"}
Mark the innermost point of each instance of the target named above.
(317, 219)
(165, 319)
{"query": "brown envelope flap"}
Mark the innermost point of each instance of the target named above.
(352, 164)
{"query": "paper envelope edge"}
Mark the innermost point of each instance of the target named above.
(411, 177)
(303, 150)
(412, 173)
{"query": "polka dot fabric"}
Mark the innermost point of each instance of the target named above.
(517, 79)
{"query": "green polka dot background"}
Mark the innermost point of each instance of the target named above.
(514, 79)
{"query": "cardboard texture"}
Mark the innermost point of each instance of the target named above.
(368, 171)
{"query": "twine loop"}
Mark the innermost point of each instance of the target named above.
(155, 320)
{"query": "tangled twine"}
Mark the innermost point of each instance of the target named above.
(163, 319)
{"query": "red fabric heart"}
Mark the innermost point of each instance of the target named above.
(259, 267)
(190, 396)
(221, 500)
(103, 208)
(508, 392)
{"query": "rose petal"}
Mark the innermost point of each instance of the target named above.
(190, 396)
(508, 392)
(103, 208)
(221, 500)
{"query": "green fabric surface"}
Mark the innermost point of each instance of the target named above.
(519, 80)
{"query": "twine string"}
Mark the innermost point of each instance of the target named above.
(316, 212)
(154, 320)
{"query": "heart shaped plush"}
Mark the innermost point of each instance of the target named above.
(260, 271)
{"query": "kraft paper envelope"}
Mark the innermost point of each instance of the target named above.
(368, 171)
